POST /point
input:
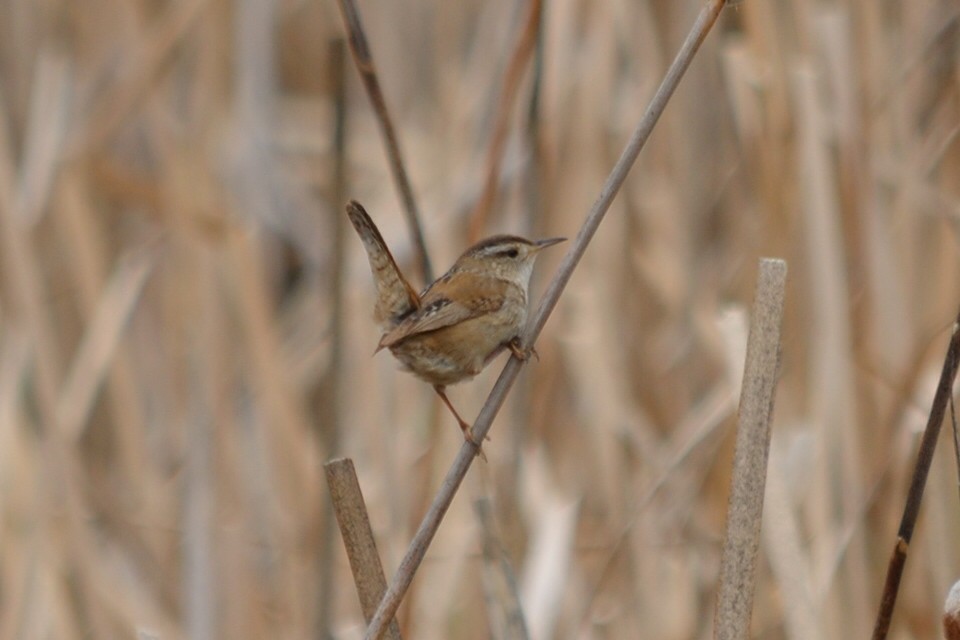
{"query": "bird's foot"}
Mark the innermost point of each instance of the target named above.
(520, 353)
(468, 436)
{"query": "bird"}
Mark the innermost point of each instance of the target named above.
(461, 321)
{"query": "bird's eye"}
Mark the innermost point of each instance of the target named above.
(510, 253)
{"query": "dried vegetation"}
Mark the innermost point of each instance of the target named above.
(177, 358)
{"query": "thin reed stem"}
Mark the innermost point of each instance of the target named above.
(330, 396)
(431, 522)
(368, 73)
(522, 53)
(911, 510)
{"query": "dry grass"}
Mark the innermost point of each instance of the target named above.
(168, 194)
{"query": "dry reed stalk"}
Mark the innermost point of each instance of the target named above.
(99, 344)
(269, 375)
(431, 522)
(523, 50)
(704, 424)
(738, 564)
(121, 124)
(427, 468)
(833, 395)
(200, 593)
(504, 611)
(956, 439)
(85, 237)
(547, 568)
(16, 454)
(49, 102)
(29, 296)
(533, 205)
(789, 562)
(347, 500)
(329, 417)
(63, 485)
(911, 509)
(368, 73)
(141, 68)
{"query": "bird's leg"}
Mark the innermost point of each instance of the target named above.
(464, 425)
(520, 353)
(441, 391)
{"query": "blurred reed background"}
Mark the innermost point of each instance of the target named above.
(185, 331)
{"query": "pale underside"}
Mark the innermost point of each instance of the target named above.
(445, 342)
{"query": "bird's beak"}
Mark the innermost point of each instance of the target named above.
(548, 242)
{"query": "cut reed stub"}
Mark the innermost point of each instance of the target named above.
(951, 613)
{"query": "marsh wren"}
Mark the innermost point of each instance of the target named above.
(452, 329)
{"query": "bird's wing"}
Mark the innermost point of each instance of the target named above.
(446, 303)
(395, 297)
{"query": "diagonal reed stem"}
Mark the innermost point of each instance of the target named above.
(448, 489)
(911, 509)
(368, 73)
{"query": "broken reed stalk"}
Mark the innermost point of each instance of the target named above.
(368, 73)
(431, 521)
(928, 445)
(745, 511)
(348, 504)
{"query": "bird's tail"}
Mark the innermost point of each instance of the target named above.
(395, 297)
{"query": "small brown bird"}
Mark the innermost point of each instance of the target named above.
(458, 324)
